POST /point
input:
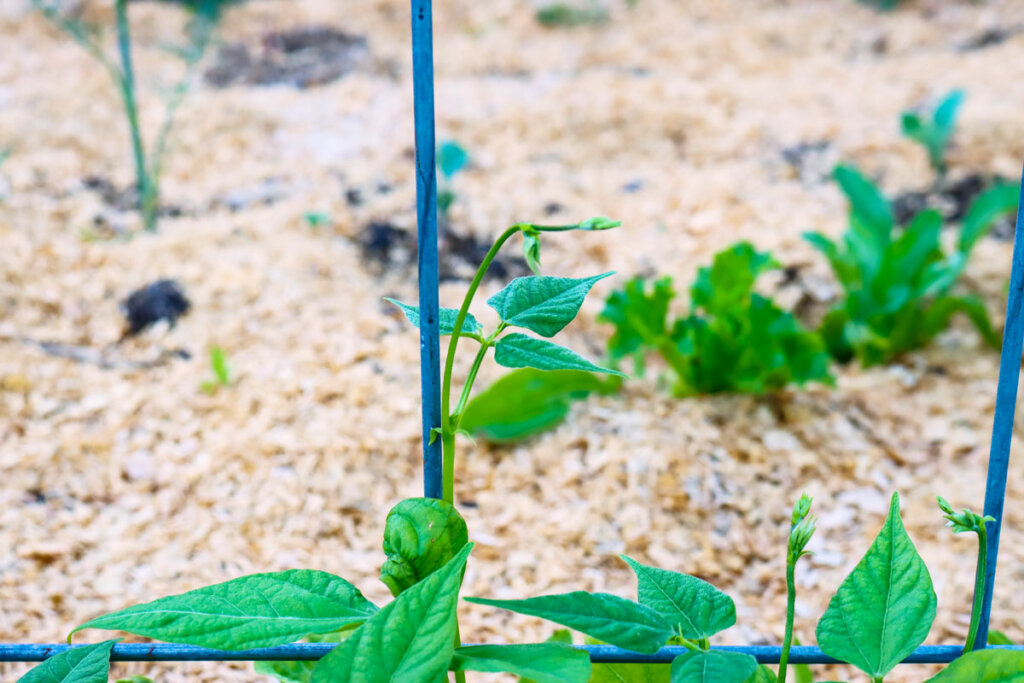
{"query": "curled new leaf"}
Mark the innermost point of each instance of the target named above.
(420, 536)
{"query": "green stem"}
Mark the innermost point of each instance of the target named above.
(979, 587)
(787, 641)
(460, 676)
(447, 425)
(144, 185)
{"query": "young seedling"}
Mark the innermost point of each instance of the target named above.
(966, 521)
(540, 304)
(221, 371)
(452, 159)
(934, 130)
(800, 531)
(317, 219)
(733, 340)
(898, 287)
(148, 167)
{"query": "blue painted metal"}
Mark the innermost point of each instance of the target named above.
(426, 222)
(1006, 409)
(162, 652)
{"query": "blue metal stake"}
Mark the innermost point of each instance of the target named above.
(426, 223)
(1006, 408)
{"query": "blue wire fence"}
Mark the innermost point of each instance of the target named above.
(430, 363)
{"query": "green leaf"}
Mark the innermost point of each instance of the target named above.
(135, 679)
(299, 672)
(527, 402)
(447, 317)
(542, 662)
(984, 666)
(869, 208)
(712, 666)
(261, 610)
(631, 673)
(219, 365)
(82, 664)
(599, 223)
(521, 351)
(694, 608)
(421, 535)
(544, 305)
(884, 609)
(938, 315)
(990, 206)
(996, 637)
(762, 674)
(606, 617)
(451, 158)
(410, 639)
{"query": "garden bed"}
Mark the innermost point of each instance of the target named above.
(121, 485)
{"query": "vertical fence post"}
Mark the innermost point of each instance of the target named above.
(426, 240)
(1006, 408)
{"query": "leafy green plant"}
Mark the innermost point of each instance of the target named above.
(934, 130)
(527, 402)
(566, 15)
(221, 371)
(148, 167)
(897, 288)
(733, 340)
(452, 159)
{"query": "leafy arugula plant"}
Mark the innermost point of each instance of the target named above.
(898, 287)
(148, 167)
(733, 340)
(934, 130)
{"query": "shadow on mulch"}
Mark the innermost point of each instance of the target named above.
(302, 57)
(387, 247)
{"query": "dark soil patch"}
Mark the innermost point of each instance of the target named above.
(301, 57)
(162, 300)
(386, 247)
(123, 199)
(953, 201)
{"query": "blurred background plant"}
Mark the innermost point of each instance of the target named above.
(199, 34)
(934, 130)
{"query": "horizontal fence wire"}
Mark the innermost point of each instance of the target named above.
(308, 652)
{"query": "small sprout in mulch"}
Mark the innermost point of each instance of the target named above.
(301, 57)
(317, 219)
(452, 159)
(221, 372)
(160, 301)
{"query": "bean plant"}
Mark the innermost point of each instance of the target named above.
(898, 286)
(733, 340)
(148, 165)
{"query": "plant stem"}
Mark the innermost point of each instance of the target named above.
(979, 588)
(447, 426)
(787, 641)
(146, 190)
